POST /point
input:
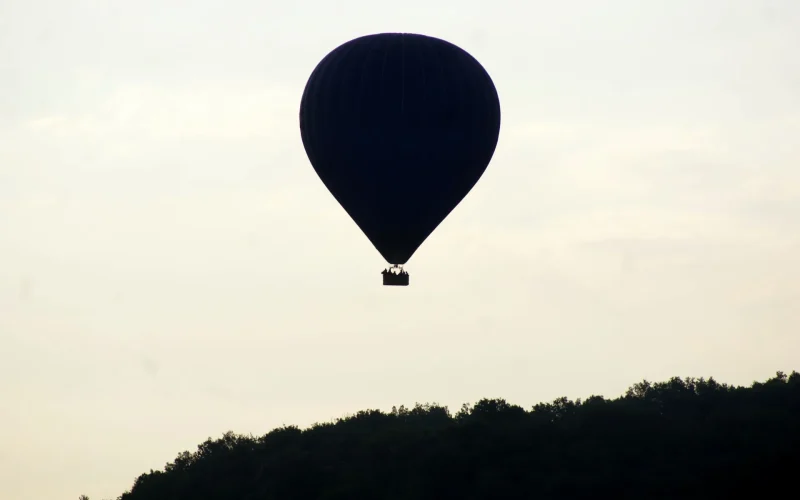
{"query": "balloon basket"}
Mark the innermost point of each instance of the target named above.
(395, 276)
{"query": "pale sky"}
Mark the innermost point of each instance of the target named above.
(171, 267)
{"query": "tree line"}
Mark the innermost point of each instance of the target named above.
(679, 439)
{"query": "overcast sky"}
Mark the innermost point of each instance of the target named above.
(171, 267)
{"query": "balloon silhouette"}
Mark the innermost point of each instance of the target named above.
(399, 127)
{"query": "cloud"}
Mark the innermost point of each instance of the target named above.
(220, 111)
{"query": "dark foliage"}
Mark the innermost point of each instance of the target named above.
(679, 439)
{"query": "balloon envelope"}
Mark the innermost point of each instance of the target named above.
(399, 127)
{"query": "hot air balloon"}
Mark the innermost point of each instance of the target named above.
(399, 127)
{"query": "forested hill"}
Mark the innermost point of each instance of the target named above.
(679, 439)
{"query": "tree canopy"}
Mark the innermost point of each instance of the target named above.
(683, 438)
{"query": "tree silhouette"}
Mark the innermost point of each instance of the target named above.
(682, 438)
